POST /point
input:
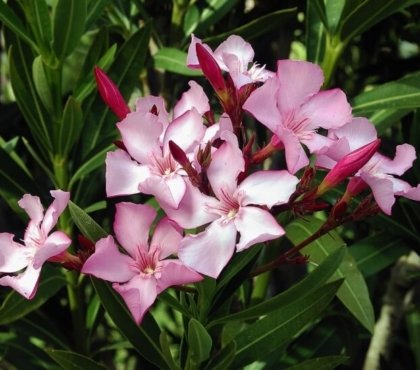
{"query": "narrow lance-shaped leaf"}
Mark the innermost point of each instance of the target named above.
(42, 85)
(69, 25)
(174, 60)
(199, 341)
(70, 127)
(279, 327)
(353, 293)
(73, 361)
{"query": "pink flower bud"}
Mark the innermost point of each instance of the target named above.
(348, 166)
(210, 69)
(110, 94)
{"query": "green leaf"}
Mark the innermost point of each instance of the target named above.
(199, 341)
(378, 252)
(86, 224)
(334, 11)
(353, 293)
(164, 344)
(191, 20)
(90, 165)
(20, 62)
(385, 118)
(400, 94)
(15, 306)
(215, 10)
(315, 33)
(279, 327)
(94, 11)
(12, 21)
(70, 127)
(38, 17)
(223, 359)
(321, 363)
(144, 338)
(73, 361)
(367, 13)
(42, 84)
(69, 25)
(174, 60)
(257, 27)
(413, 328)
(312, 281)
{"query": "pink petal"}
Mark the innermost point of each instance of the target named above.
(209, 251)
(167, 236)
(33, 207)
(298, 81)
(55, 244)
(358, 133)
(296, 157)
(405, 155)
(410, 192)
(234, 46)
(169, 189)
(123, 175)
(140, 133)
(237, 71)
(226, 164)
(175, 273)
(25, 283)
(192, 210)
(61, 199)
(108, 263)
(327, 109)
(139, 294)
(193, 98)
(132, 224)
(13, 256)
(186, 131)
(262, 104)
(267, 188)
(382, 189)
(255, 226)
(145, 105)
(318, 143)
(192, 60)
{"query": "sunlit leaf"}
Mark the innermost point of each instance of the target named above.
(174, 60)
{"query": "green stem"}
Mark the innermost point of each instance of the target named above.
(334, 49)
(261, 282)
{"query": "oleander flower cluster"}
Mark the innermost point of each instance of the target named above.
(214, 184)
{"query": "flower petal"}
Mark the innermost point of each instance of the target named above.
(140, 133)
(226, 164)
(25, 283)
(234, 46)
(359, 132)
(296, 157)
(262, 104)
(55, 244)
(327, 109)
(405, 155)
(33, 207)
(268, 188)
(167, 236)
(195, 97)
(382, 189)
(192, 210)
(108, 263)
(298, 81)
(255, 226)
(123, 175)
(139, 294)
(132, 224)
(61, 199)
(167, 189)
(13, 256)
(186, 131)
(175, 273)
(192, 59)
(209, 251)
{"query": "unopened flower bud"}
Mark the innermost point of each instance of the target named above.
(211, 69)
(110, 94)
(348, 166)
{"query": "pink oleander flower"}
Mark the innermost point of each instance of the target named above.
(110, 94)
(233, 56)
(38, 246)
(292, 107)
(147, 165)
(145, 270)
(378, 172)
(234, 208)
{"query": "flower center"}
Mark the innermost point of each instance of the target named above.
(147, 263)
(228, 205)
(296, 124)
(165, 166)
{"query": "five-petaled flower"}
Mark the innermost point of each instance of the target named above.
(38, 246)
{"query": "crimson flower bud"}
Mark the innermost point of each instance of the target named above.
(110, 94)
(348, 166)
(211, 69)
